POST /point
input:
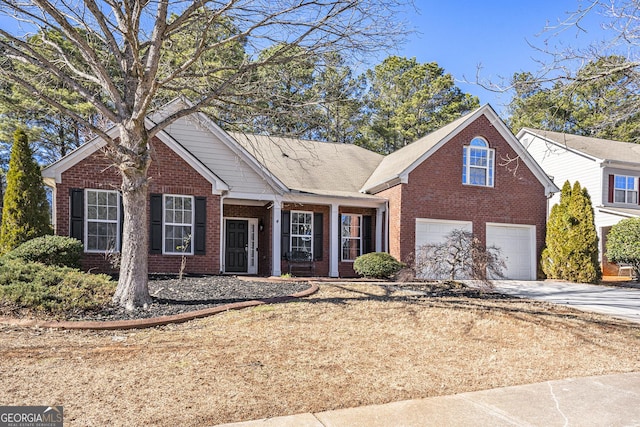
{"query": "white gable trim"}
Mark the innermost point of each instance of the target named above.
(523, 132)
(508, 136)
(217, 184)
(237, 149)
(53, 172)
(404, 175)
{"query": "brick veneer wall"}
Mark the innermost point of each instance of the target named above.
(169, 174)
(435, 191)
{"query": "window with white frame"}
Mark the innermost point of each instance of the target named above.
(302, 231)
(178, 224)
(102, 221)
(625, 189)
(351, 236)
(478, 163)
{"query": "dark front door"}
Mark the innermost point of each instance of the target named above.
(236, 247)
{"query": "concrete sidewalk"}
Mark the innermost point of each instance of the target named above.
(610, 400)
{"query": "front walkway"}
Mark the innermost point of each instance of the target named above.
(622, 303)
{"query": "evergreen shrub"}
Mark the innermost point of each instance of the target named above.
(623, 244)
(571, 251)
(25, 210)
(50, 250)
(377, 265)
(58, 291)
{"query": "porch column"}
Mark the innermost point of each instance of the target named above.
(334, 244)
(276, 235)
(379, 212)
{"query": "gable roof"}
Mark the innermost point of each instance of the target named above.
(597, 148)
(396, 167)
(53, 172)
(314, 167)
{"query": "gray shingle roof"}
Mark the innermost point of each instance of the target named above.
(393, 165)
(313, 167)
(604, 149)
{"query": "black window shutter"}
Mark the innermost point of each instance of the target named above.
(155, 236)
(611, 187)
(76, 226)
(317, 236)
(199, 238)
(367, 237)
(121, 220)
(285, 232)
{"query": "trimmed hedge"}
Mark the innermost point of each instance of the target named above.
(377, 265)
(50, 250)
(52, 289)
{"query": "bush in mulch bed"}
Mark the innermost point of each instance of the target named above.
(51, 290)
(35, 289)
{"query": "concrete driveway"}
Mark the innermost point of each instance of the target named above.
(623, 303)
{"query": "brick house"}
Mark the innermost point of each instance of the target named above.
(244, 204)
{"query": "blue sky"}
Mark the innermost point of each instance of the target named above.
(460, 35)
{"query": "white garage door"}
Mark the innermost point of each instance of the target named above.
(517, 243)
(436, 231)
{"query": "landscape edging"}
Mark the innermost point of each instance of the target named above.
(154, 321)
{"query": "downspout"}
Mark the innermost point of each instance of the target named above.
(386, 229)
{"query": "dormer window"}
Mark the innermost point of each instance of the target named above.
(625, 189)
(478, 163)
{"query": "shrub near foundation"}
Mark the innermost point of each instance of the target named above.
(50, 289)
(50, 250)
(377, 265)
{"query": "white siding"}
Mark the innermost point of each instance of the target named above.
(218, 157)
(562, 165)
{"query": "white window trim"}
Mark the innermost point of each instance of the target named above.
(291, 235)
(87, 220)
(165, 223)
(626, 191)
(342, 238)
(490, 169)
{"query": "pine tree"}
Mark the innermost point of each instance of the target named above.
(25, 213)
(572, 242)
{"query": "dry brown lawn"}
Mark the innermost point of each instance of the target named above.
(347, 345)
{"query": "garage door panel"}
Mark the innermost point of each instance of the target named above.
(429, 231)
(517, 245)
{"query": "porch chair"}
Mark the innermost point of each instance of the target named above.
(301, 263)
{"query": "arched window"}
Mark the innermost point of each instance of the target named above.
(478, 163)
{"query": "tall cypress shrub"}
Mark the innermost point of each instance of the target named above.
(25, 212)
(572, 241)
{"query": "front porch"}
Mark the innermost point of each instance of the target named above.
(258, 236)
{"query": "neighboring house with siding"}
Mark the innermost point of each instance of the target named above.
(245, 203)
(609, 170)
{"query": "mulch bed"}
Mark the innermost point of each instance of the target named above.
(173, 296)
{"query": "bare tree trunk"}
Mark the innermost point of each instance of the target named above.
(133, 290)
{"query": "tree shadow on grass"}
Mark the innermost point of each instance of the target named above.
(457, 296)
